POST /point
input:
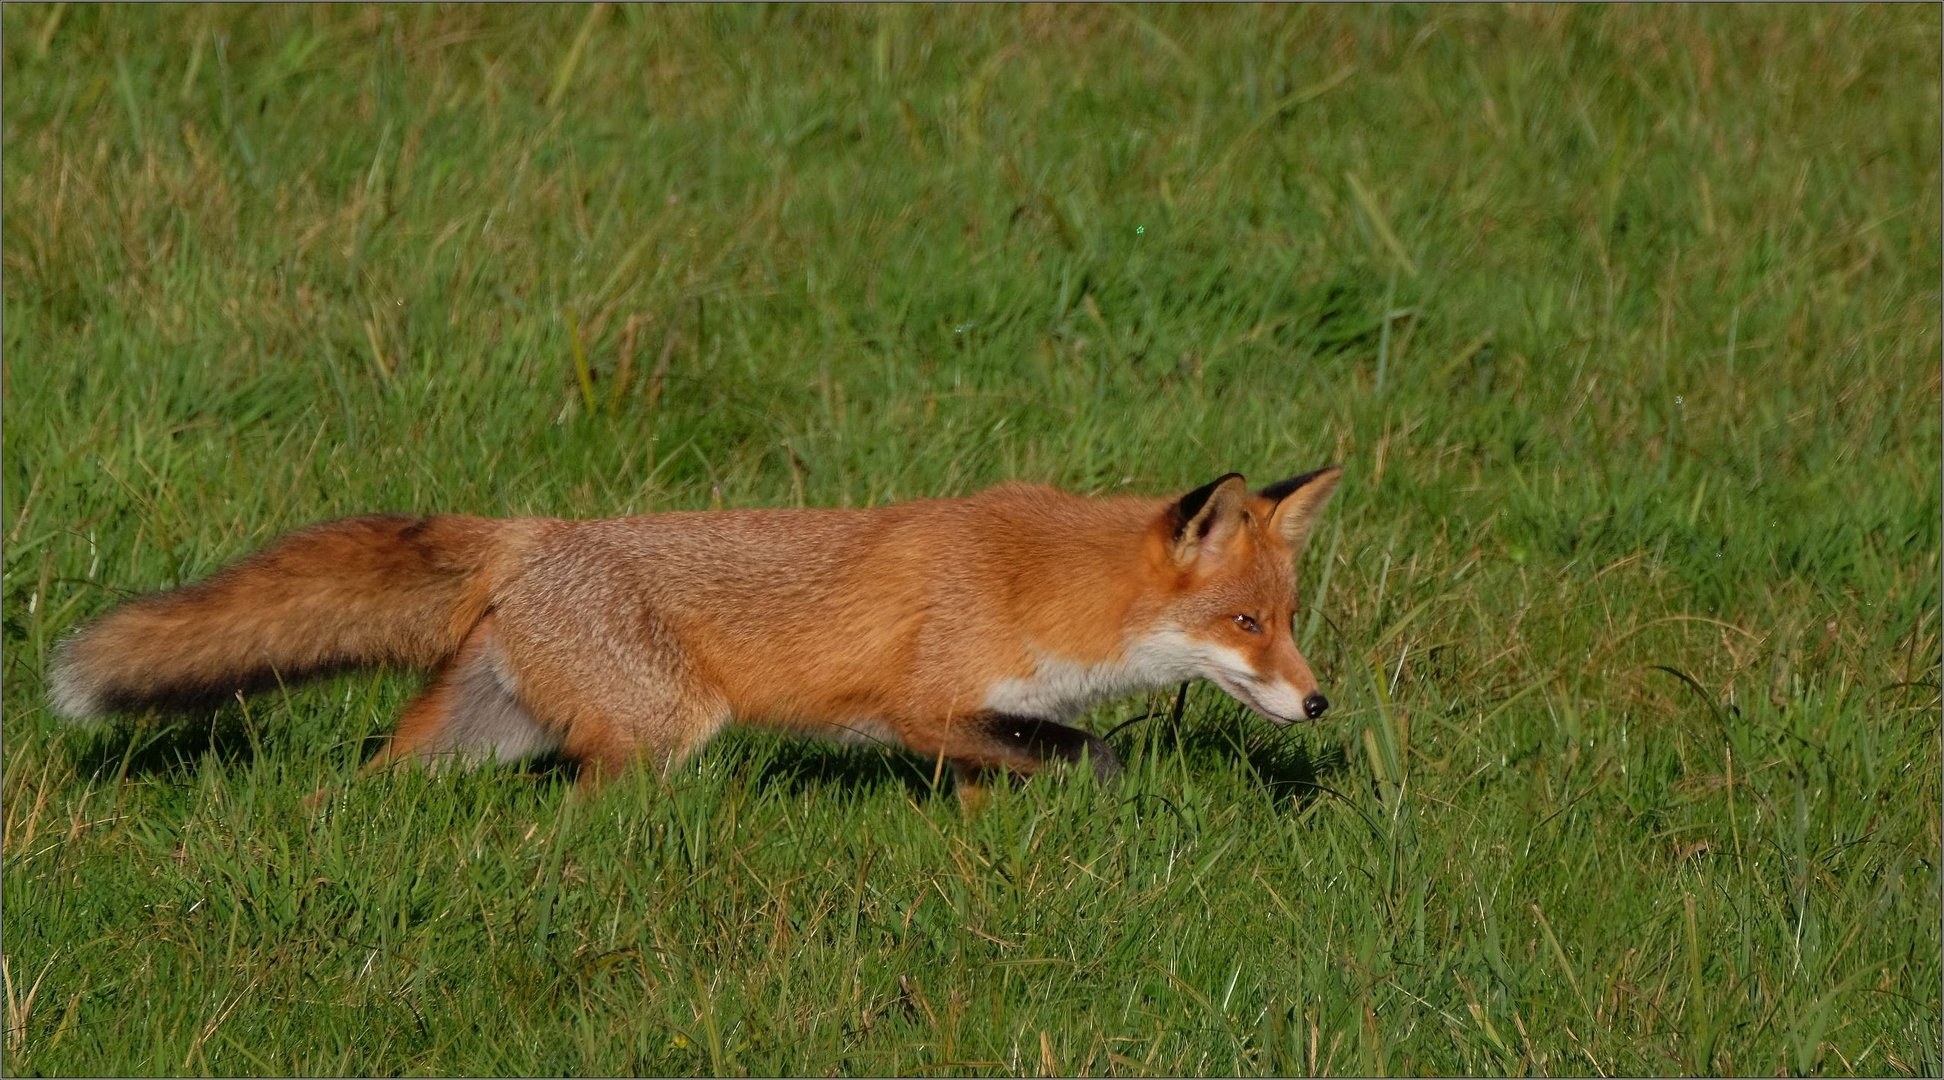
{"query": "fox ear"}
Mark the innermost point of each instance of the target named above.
(1206, 517)
(1298, 500)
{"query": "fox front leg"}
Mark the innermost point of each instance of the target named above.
(976, 746)
(1045, 742)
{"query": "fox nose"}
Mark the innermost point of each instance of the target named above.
(1316, 705)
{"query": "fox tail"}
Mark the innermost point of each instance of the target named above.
(382, 589)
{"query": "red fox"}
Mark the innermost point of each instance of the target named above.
(965, 630)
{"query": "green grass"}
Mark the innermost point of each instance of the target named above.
(1624, 323)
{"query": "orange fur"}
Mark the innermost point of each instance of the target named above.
(384, 589)
(959, 628)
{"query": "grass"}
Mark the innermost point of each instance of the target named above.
(1624, 321)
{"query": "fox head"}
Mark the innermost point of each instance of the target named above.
(1231, 554)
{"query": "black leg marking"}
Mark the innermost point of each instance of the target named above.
(1050, 742)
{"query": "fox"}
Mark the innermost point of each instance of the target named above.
(968, 630)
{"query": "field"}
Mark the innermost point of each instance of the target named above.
(1624, 322)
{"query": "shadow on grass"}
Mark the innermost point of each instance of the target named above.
(1288, 770)
(1283, 765)
(796, 766)
(170, 748)
(178, 748)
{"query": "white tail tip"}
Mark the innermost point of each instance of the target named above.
(72, 695)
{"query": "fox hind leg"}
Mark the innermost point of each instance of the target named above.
(470, 713)
(606, 700)
(631, 718)
(623, 691)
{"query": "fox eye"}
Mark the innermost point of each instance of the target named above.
(1248, 624)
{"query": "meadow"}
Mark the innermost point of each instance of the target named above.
(1623, 321)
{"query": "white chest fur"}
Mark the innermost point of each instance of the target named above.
(1058, 687)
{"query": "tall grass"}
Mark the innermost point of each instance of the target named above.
(1624, 322)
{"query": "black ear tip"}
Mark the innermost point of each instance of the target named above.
(1192, 503)
(1283, 489)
